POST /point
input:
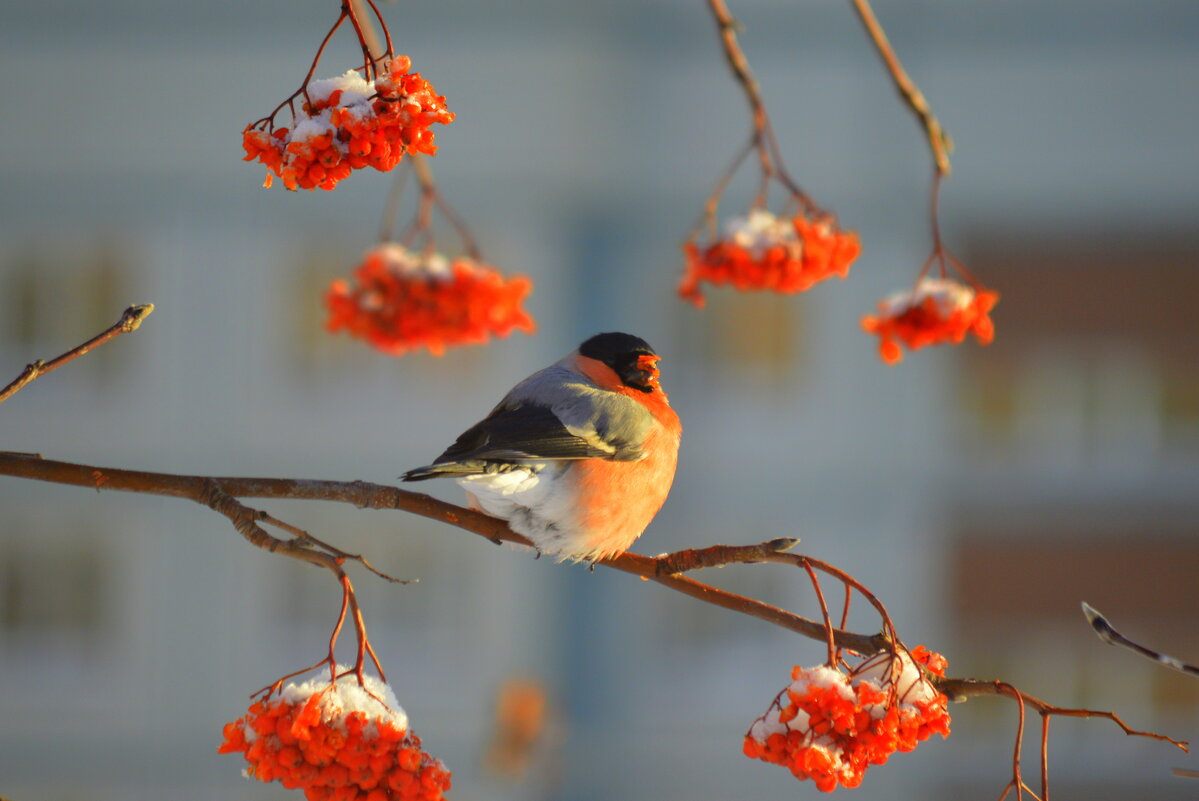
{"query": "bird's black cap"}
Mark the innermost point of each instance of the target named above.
(621, 352)
(614, 345)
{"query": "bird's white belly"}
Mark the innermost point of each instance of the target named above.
(531, 499)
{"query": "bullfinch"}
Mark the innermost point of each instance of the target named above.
(578, 457)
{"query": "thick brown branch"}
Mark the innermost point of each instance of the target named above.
(938, 141)
(377, 496)
(130, 320)
(219, 494)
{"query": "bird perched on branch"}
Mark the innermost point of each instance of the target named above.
(578, 457)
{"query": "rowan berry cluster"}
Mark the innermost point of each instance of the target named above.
(764, 252)
(348, 124)
(830, 726)
(336, 742)
(938, 310)
(399, 300)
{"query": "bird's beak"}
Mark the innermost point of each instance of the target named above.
(648, 364)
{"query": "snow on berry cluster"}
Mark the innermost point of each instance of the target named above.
(763, 252)
(336, 742)
(830, 726)
(938, 310)
(350, 123)
(400, 300)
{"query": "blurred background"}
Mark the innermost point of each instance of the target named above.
(982, 492)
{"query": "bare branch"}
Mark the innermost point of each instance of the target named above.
(965, 688)
(721, 555)
(1106, 632)
(130, 320)
(938, 141)
(377, 496)
(219, 493)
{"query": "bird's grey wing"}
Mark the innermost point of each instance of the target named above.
(556, 414)
(610, 422)
(526, 432)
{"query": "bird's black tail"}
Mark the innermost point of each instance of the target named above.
(443, 470)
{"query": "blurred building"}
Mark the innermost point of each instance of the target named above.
(981, 492)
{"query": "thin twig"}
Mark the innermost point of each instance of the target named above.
(1044, 758)
(130, 320)
(335, 551)
(431, 197)
(721, 555)
(964, 688)
(762, 138)
(726, 26)
(828, 623)
(938, 141)
(1106, 632)
(268, 122)
(368, 40)
(391, 208)
(308, 549)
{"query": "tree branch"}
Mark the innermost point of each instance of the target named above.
(202, 489)
(130, 320)
(219, 493)
(938, 141)
(1106, 632)
(957, 689)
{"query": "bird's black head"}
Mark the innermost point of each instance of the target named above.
(630, 357)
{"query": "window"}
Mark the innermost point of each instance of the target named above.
(756, 337)
(1015, 604)
(55, 293)
(1096, 349)
(52, 589)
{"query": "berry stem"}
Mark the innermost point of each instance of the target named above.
(938, 141)
(762, 139)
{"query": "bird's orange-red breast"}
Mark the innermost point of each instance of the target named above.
(578, 457)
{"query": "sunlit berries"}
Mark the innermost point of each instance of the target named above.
(830, 726)
(342, 742)
(938, 310)
(349, 123)
(400, 300)
(765, 252)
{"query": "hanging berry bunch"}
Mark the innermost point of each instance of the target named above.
(368, 117)
(336, 740)
(400, 300)
(786, 252)
(934, 312)
(344, 738)
(830, 725)
(407, 294)
(763, 252)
